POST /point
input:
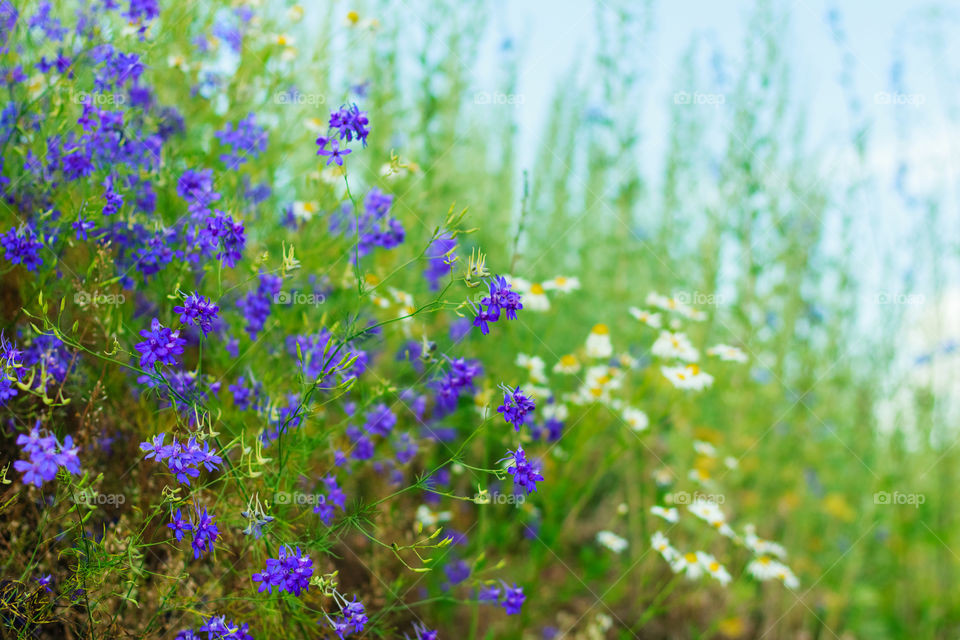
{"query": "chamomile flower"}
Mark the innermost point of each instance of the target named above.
(536, 298)
(304, 211)
(295, 13)
(728, 353)
(674, 346)
(689, 564)
(760, 546)
(766, 568)
(704, 448)
(598, 342)
(714, 568)
(177, 61)
(600, 381)
(611, 541)
(567, 364)
(534, 365)
(670, 514)
(688, 378)
(649, 318)
(562, 284)
(555, 411)
(710, 512)
(429, 518)
(662, 545)
(637, 419)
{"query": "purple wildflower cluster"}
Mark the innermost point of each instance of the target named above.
(290, 571)
(217, 628)
(204, 529)
(501, 298)
(334, 498)
(162, 345)
(352, 618)
(510, 598)
(348, 123)
(244, 139)
(198, 310)
(457, 380)
(525, 473)
(516, 407)
(376, 227)
(183, 459)
(21, 246)
(46, 455)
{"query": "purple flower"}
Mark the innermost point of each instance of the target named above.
(198, 310)
(525, 473)
(513, 600)
(180, 526)
(290, 571)
(335, 152)
(205, 533)
(516, 406)
(351, 123)
(162, 345)
(46, 456)
(22, 247)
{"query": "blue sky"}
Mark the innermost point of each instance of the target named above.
(552, 33)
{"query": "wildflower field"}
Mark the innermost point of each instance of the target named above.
(302, 337)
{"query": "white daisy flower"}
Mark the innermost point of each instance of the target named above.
(567, 364)
(766, 568)
(647, 317)
(760, 546)
(428, 518)
(555, 410)
(659, 542)
(637, 419)
(688, 378)
(304, 211)
(689, 564)
(536, 298)
(674, 345)
(714, 568)
(611, 541)
(520, 285)
(562, 284)
(730, 462)
(704, 448)
(728, 353)
(534, 365)
(710, 512)
(598, 342)
(670, 514)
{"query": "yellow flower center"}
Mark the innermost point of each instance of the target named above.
(353, 17)
(560, 280)
(600, 330)
(568, 360)
(690, 557)
(714, 567)
(764, 560)
(536, 288)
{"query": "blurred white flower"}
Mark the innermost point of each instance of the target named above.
(611, 541)
(598, 342)
(728, 353)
